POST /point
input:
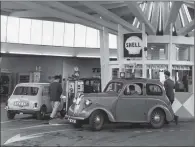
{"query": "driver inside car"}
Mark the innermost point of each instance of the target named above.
(132, 90)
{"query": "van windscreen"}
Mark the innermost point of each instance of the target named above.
(21, 90)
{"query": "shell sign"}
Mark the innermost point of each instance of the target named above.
(133, 45)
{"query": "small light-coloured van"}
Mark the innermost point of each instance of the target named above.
(32, 98)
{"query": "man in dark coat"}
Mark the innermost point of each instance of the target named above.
(169, 88)
(55, 91)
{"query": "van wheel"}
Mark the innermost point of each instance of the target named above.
(78, 124)
(10, 114)
(96, 120)
(157, 119)
(41, 114)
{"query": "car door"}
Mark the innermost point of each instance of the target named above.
(131, 107)
(46, 98)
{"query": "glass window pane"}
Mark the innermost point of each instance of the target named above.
(69, 34)
(12, 29)
(98, 39)
(24, 31)
(36, 32)
(112, 41)
(80, 35)
(47, 38)
(3, 28)
(58, 34)
(91, 37)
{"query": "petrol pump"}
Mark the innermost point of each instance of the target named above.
(75, 87)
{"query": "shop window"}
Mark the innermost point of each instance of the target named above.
(36, 31)
(80, 35)
(157, 52)
(24, 31)
(58, 37)
(69, 34)
(112, 41)
(13, 29)
(153, 90)
(183, 52)
(47, 37)
(3, 28)
(91, 38)
(134, 89)
(182, 76)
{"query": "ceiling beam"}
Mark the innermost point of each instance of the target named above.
(109, 15)
(165, 12)
(80, 14)
(138, 13)
(61, 15)
(185, 30)
(176, 5)
(189, 4)
(29, 14)
(114, 6)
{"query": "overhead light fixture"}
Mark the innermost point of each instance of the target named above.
(181, 17)
(160, 21)
(170, 4)
(150, 10)
(187, 13)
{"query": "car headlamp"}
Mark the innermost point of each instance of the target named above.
(88, 102)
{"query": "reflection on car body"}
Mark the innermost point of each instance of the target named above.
(117, 104)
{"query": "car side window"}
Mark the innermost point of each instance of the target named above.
(46, 91)
(134, 89)
(153, 89)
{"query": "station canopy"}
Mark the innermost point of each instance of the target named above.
(157, 16)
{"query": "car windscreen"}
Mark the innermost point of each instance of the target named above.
(114, 87)
(23, 90)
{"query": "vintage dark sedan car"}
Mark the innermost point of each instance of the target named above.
(135, 100)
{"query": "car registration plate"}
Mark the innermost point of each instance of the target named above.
(72, 120)
(21, 103)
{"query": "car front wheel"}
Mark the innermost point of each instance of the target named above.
(157, 119)
(10, 114)
(96, 120)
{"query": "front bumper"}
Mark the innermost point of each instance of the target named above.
(74, 117)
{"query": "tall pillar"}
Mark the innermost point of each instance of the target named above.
(144, 44)
(104, 56)
(120, 50)
(170, 48)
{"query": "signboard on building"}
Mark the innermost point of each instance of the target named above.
(133, 45)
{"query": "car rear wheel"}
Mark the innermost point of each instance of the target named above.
(42, 113)
(157, 119)
(96, 120)
(10, 114)
(78, 124)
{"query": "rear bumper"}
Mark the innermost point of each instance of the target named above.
(25, 111)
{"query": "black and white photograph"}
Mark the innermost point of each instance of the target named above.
(97, 73)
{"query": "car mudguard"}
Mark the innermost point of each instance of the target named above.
(109, 113)
(168, 113)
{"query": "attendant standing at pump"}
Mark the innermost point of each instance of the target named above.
(169, 88)
(55, 91)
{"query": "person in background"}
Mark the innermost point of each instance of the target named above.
(185, 82)
(169, 88)
(55, 91)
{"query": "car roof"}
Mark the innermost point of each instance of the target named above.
(142, 80)
(32, 84)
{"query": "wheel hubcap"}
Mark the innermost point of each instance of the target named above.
(97, 120)
(156, 117)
